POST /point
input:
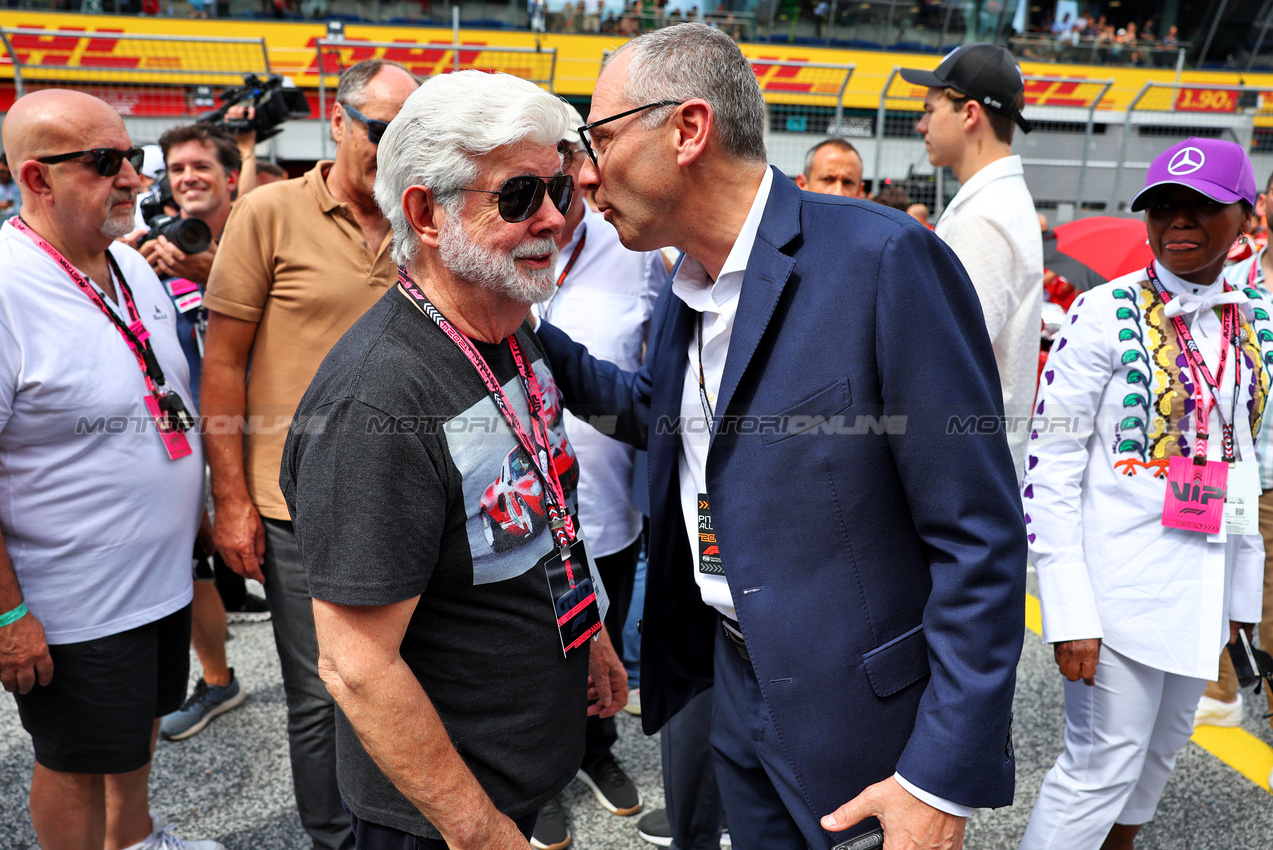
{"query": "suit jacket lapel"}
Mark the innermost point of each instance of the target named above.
(767, 272)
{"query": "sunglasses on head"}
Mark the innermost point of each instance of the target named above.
(521, 197)
(375, 129)
(107, 161)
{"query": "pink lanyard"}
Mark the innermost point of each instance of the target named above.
(134, 333)
(1229, 332)
(537, 443)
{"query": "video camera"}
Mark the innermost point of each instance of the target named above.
(275, 100)
(191, 235)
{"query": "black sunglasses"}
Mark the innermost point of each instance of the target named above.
(375, 129)
(107, 161)
(521, 197)
(583, 131)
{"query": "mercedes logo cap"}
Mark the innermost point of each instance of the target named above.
(1213, 167)
(985, 72)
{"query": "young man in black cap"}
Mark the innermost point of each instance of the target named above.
(974, 98)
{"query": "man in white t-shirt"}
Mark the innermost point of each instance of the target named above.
(604, 299)
(103, 483)
(974, 97)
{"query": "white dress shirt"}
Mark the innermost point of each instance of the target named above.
(605, 303)
(992, 227)
(1107, 566)
(717, 303)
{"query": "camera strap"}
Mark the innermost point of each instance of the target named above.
(164, 404)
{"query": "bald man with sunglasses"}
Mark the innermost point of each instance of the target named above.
(298, 263)
(103, 480)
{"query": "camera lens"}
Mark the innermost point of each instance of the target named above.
(191, 235)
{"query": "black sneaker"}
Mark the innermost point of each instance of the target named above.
(551, 832)
(253, 609)
(611, 786)
(655, 828)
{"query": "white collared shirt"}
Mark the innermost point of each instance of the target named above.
(992, 227)
(717, 303)
(605, 303)
(1107, 419)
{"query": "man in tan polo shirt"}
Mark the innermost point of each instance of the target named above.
(300, 261)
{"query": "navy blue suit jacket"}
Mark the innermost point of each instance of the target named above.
(864, 502)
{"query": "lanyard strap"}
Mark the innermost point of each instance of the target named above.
(537, 443)
(702, 385)
(134, 334)
(1229, 332)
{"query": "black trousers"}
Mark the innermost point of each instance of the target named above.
(618, 571)
(690, 791)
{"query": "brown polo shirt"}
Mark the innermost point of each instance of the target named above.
(294, 260)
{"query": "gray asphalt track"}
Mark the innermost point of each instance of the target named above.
(232, 781)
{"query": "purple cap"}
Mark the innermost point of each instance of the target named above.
(1218, 169)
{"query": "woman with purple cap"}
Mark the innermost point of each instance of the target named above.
(1141, 495)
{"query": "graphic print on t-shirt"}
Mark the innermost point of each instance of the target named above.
(505, 500)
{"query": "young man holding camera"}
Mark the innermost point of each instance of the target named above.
(203, 164)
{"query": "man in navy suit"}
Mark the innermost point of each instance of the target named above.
(828, 472)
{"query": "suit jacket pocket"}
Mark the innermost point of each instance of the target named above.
(811, 413)
(899, 663)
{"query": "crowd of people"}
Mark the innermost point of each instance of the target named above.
(447, 387)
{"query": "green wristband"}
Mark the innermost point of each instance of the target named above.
(14, 615)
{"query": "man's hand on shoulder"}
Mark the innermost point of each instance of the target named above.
(170, 261)
(909, 823)
(24, 655)
(133, 239)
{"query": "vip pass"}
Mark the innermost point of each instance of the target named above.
(14, 615)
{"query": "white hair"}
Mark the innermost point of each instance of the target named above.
(445, 125)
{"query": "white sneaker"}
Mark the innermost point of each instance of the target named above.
(162, 839)
(1213, 712)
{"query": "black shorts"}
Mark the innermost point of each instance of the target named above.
(97, 714)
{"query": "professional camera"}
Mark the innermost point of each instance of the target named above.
(191, 235)
(275, 100)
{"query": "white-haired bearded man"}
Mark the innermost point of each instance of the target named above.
(432, 490)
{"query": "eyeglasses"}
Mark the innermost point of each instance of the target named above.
(107, 161)
(375, 129)
(521, 197)
(583, 131)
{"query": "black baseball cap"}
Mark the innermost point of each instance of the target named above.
(985, 72)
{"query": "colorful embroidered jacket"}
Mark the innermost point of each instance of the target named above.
(1115, 403)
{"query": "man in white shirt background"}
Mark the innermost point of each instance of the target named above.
(974, 97)
(604, 299)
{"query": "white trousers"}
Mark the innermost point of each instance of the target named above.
(1121, 739)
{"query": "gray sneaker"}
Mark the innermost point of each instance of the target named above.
(162, 839)
(204, 704)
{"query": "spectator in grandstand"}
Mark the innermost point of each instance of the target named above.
(974, 98)
(893, 196)
(300, 261)
(833, 167)
(1171, 39)
(908, 721)
(604, 298)
(203, 165)
(98, 521)
(269, 172)
(10, 191)
(591, 16)
(435, 604)
(1221, 703)
(1138, 597)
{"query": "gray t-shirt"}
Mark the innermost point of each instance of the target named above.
(403, 480)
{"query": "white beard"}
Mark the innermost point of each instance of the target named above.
(494, 271)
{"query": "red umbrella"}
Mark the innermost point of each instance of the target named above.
(1090, 251)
